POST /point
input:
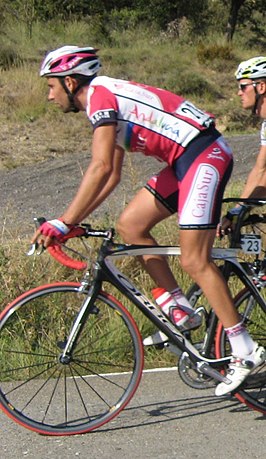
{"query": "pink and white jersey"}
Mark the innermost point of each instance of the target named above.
(149, 120)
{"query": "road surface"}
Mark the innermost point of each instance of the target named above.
(165, 420)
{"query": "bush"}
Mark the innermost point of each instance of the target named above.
(8, 57)
(197, 85)
(213, 52)
(241, 120)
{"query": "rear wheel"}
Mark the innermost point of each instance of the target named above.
(253, 390)
(43, 394)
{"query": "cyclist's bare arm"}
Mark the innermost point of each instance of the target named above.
(101, 177)
(110, 184)
(256, 182)
(255, 187)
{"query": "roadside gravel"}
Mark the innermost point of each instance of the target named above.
(45, 188)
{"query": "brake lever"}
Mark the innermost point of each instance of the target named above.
(35, 248)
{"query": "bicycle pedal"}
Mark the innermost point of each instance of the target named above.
(206, 369)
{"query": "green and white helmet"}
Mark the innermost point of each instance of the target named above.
(253, 68)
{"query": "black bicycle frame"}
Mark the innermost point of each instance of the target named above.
(105, 270)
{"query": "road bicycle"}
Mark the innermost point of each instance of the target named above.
(71, 354)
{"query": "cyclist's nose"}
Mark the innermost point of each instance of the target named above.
(50, 95)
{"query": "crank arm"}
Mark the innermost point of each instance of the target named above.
(206, 369)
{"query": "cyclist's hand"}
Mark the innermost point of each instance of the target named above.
(224, 227)
(49, 231)
(229, 220)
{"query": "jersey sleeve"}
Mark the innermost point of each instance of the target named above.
(263, 133)
(102, 106)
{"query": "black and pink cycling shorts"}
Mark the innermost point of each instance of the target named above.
(194, 186)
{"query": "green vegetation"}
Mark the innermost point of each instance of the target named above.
(161, 43)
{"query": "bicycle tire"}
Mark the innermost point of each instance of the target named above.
(51, 398)
(253, 391)
(250, 395)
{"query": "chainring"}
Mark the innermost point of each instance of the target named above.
(191, 376)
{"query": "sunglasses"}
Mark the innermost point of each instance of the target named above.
(242, 86)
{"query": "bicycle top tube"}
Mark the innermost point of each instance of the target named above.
(120, 250)
(255, 202)
(123, 250)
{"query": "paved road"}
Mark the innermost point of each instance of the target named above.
(165, 420)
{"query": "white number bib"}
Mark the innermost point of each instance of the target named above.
(251, 243)
(189, 110)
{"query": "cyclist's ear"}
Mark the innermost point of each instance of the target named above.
(71, 83)
(261, 87)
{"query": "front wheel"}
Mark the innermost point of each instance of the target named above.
(52, 397)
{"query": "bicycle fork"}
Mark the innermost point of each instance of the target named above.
(88, 307)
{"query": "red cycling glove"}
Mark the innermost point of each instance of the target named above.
(55, 228)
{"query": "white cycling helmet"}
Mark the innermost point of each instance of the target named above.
(70, 60)
(253, 68)
(82, 63)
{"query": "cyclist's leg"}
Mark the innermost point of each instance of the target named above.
(144, 211)
(203, 176)
(200, 193)
(196, 260)
(151, 205)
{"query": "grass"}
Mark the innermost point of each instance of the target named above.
(202, 72)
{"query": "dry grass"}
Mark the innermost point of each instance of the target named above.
(33, 130)
(205, 75)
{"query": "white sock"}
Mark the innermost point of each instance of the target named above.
(182, 300)
(241, 342)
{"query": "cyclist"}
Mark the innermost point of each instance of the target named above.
(251, 77)
(134, 117)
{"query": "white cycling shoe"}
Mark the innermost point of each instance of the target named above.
(239, 369)
(190, 322)
(157, 338)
